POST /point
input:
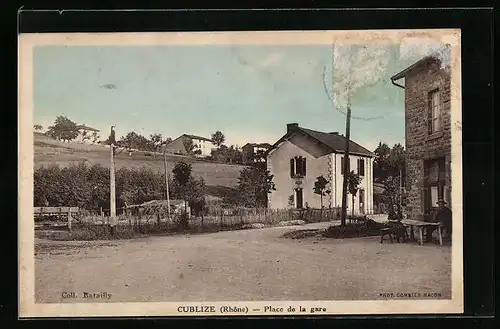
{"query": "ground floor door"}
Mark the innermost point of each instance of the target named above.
(362, 202)
(299, 198)
(434, 185)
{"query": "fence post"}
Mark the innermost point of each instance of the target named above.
(69, 219)
(222, 219)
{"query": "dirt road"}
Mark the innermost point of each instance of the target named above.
(240, 265)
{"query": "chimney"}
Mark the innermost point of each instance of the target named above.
(334, 133)
(291, 127)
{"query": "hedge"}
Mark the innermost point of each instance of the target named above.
(80, 185)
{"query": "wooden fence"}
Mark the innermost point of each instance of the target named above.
(212, 220)
(66, 212)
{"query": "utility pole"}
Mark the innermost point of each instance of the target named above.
(346, 167)
(166, 181)
(112, 194)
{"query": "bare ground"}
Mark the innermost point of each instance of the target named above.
(249, 265)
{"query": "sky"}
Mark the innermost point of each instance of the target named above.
(249, 92)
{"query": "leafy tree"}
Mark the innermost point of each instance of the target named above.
(95, 137)
(320, 188)
(381, 162)
(388, 161)
(156, 141)
(226, 154)
(182, 176)
(391, 197)
(218, 138)
(255, 183)
(63, 129)
(134, 140)
(196, 194)
(353, 181)
(37, 127)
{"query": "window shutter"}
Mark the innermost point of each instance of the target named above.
(304, 166)
(292, 167)
(429, 114)
(342, 165)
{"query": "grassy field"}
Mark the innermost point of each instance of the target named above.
(220, 178)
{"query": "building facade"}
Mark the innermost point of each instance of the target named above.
(302, 155)
(87, 135)
(201, 146)
(250, 150)
(428, 136)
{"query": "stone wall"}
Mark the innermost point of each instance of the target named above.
(420, 145)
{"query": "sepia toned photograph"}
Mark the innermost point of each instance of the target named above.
(240, 173)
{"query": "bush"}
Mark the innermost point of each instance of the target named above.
(79, 185)
(352, 230)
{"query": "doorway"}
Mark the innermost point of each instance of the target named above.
(362, 202)
(299, 198)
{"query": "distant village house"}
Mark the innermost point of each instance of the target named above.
(201, 146)
(87, 135)
(301, 155)
(250, 150)
(428, 135)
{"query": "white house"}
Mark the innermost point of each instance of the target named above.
(87, 135)
(302, 155)
(202, 146)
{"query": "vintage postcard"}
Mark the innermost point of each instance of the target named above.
(240, 173)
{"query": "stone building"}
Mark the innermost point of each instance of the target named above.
(428, 135)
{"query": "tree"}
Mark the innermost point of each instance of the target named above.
(133, 140)
(95, 137)
(381, 162)
(255, 183)
(218, 138)
(156, 140)
(320, 188)
(388, 162)
(37, 127)
(63, 129)
(391, 197)
(196, 190)
(353, 181)
(182, 175)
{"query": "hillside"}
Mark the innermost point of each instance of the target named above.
(221, 179)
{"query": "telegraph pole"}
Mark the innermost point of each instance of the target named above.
(166, 181)
(112, 192)
(346, 167)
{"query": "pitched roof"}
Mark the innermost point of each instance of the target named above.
(198, 137)
(86, 128)
(424, 60)
(333, 141)
(266, 145)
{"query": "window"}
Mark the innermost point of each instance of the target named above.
(297, 167)
(361, 167)
(342, 166)
(434, 117)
